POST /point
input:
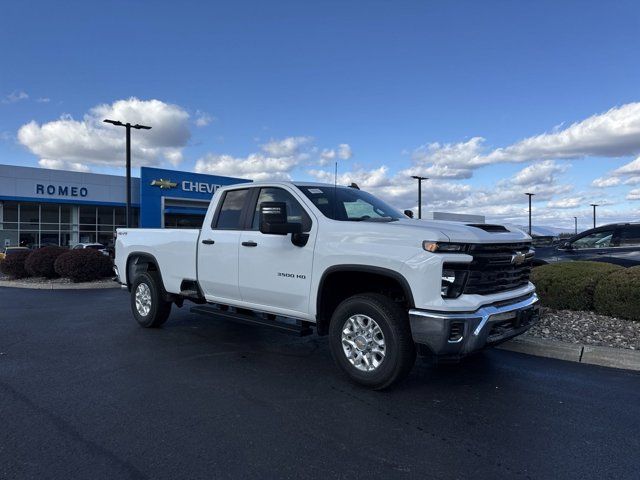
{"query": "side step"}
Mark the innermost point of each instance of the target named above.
(301, 328)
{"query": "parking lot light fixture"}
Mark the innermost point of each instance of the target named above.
(420, 179)
(128, 128)
(575, 220)
(594, 205)
(530, 195)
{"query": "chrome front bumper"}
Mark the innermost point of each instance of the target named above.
(458, 334)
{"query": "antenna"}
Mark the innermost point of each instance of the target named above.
(335, 190)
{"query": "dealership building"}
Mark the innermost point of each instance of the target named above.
(55, 207)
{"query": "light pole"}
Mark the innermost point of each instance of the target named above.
(128, 127)
(575, 220)
(420, 179)
(530, 195)
(594, 205)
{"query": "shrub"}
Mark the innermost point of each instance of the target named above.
(83, 265)
(13, 265)
(618, 295)
(570, 285)
(40, 262)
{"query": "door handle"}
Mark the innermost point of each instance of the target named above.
(208, 241)
(249, 244)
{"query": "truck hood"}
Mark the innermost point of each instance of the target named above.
(458, 232)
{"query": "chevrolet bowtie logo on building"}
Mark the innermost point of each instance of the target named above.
(518, 258)
(163, 184)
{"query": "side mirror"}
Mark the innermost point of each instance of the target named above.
(409, 213)
(273, 219)
(565, 245)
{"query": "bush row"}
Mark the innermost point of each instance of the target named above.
(593, 286)
(51, 262)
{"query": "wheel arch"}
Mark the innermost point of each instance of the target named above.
(138, 262)
(339, 282)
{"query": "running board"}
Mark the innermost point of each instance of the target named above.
(301, 328)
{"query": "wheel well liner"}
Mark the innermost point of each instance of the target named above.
(138, 262)
(342, 281)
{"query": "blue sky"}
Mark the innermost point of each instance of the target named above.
(283, 89)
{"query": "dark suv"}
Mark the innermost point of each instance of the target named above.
(617, 243)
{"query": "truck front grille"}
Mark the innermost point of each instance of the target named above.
(496, 267)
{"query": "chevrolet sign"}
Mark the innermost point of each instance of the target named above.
(163, 184)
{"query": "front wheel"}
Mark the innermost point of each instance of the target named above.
(149, 307)
(371, 340)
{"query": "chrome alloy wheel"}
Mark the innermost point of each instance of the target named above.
(143, 299)
(363, 342)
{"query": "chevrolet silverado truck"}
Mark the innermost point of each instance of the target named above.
(298, 256)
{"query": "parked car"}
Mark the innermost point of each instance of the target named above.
(381, 285)
(93, 246)
(617, 243)
(10, 250)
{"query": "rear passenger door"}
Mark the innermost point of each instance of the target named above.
(218, 247)
(273, 271)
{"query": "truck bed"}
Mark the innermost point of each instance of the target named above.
(173, 249)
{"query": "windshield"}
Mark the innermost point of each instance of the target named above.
(350, 204)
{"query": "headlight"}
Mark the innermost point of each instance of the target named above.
(453, 282)
(444, 247)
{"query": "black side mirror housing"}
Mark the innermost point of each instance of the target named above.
(409, 213)
(273, 219)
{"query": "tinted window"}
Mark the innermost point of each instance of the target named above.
(231, 210)
(349, 204)
(630, 236)
(295, 212)
(594, 240)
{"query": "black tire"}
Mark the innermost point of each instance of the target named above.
(159, 309)
(400, 351)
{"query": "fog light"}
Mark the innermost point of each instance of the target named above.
(453, 282)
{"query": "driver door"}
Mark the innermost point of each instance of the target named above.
(274, 273)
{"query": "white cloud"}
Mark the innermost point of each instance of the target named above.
(615, 133)
(633, 194)
(329, 155)
(449, 160)
(91, 142)
(62, 165)
(15, 96)
(631, 168)
(604, 182)
(203, 119)
(567, 202)
(543, 173)
(43, 100)
(275, 161)
(287, 147)
(344, 151)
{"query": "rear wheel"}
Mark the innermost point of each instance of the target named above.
(371, 340)
(148, 305)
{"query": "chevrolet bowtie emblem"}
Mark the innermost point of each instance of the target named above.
(163, 183)
(519, 258)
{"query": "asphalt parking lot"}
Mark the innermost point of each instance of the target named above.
(86, 393)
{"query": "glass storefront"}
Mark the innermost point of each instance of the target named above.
(42, 224)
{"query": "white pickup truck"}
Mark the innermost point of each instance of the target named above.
(298, 256)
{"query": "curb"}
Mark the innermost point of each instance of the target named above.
(590, 354)
(59, 286)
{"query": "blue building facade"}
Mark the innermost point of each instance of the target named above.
(174, 199)
(55, 207)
